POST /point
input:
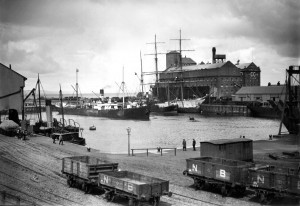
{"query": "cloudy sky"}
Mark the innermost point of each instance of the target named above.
(100, 37)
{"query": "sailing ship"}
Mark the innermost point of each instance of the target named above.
(183, 105)
(110, 110)
(164, 108)
(68, 132)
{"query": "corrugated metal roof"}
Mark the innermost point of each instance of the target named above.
(197, 67)
(262, 90)
(228, 141)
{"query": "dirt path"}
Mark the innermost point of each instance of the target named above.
(31, 170)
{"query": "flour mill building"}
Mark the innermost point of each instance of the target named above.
(221, 79)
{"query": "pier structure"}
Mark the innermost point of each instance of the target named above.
(225, 110)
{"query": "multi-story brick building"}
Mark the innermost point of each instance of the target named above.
(221, 79)
(250, 74)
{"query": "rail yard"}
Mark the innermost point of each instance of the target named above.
(31, 170)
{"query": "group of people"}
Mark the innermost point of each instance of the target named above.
(21, 134)
(184, 145)
(60, 139)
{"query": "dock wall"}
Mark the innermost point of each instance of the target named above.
(226, 110)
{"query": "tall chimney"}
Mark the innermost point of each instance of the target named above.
(10, 66)
(213, 55)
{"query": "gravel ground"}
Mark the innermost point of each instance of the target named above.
(31, 170)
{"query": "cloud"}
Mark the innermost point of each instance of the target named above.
(54, 37)
(275, 23)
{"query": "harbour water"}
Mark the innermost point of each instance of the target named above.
(169, 131)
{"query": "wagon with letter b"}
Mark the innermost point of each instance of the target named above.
(227, 175)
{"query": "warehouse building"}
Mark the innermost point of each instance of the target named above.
(221, 79)
(11, 89)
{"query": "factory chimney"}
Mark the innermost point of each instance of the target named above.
(213, 55)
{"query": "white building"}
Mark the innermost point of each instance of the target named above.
(260, 93)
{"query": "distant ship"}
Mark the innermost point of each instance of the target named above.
(110, 110)
(190, 105)
(166, 109)
(113, 111)
(264, 110)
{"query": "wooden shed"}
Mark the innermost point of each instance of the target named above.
(237, 149)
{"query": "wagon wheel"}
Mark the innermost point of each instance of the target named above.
(240, 191)
(224, 191)
(86, 188)
(131, 202)
(230, 191)
(201, 185)
(69, 182)
(109, 196)
(137, 203)
(262, 198)
(156, 201)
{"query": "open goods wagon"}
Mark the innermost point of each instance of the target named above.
(228, 175)
(136, 187)
(83, 171)
(270, 181)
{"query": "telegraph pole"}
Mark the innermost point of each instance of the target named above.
(180, 61)
(155, 54)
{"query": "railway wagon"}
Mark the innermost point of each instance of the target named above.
(227, 175)
(272, 181)
(83, 171)
(136, 187)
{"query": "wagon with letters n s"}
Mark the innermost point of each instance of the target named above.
(83, 171)
(269, 182)
(135, 187)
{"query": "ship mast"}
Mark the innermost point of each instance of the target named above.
(40, 108)
(123, 88)
(180, 61)
(77, 88)
(156, 61)
(142, 76)
(61, 106)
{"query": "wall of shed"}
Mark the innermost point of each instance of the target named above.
(10, 82)
(238, 151)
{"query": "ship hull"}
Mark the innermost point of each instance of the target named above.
(140, 113)
(170, 110)
(264, 112)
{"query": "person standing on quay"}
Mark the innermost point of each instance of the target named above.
(60, 140)
(184, 145)
(194, 144)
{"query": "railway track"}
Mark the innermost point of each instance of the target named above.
(196, 199)
(43, 190)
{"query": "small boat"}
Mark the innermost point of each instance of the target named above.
(192, 118)
(92, 127)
